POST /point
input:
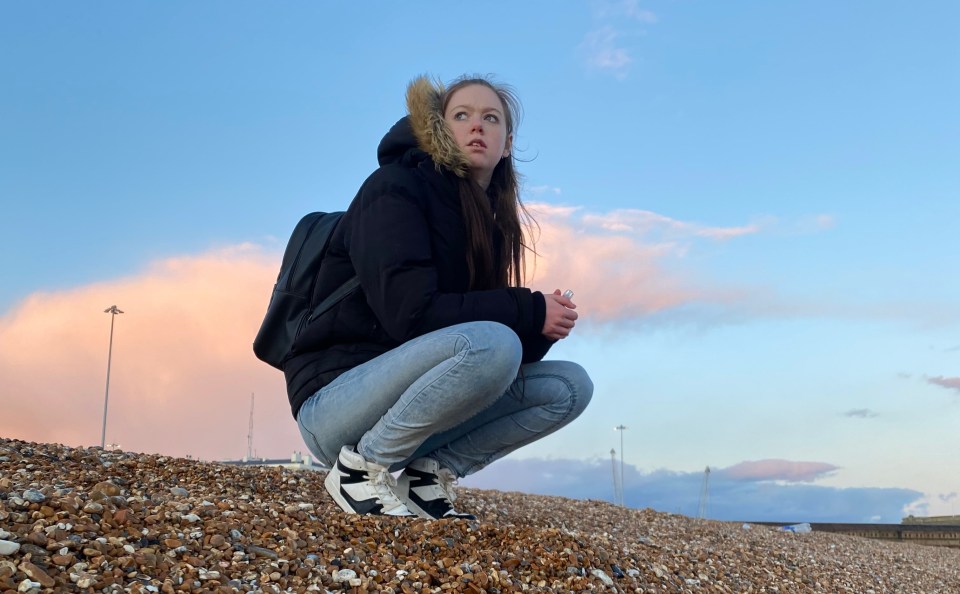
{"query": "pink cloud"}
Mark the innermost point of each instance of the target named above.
(614, 267)
(183, 369)
(778, 470)
(951, 383)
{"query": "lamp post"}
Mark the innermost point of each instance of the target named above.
(113, 311)
(616, 484)
(621, 429)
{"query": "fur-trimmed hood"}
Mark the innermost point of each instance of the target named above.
(423, 129)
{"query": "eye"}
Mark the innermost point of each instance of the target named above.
(492, 118)
(460, 115)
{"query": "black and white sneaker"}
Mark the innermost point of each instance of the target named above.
(361, 487)
(426, 488)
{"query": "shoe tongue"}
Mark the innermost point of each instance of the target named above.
(447, 480)
(382, 477)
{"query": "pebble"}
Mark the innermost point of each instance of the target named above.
(265, 529)
(344, 575)
(106, 489)
(86, 581)
(606, 579)
(35, 573)
(8, 548)
(34, 496)
(34, 550)
(263, 552)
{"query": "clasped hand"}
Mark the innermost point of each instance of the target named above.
(560, 318)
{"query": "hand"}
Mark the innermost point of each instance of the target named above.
(560, 318)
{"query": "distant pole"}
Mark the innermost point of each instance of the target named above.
(613, 469)
(704, 494)
(621, 429)
(250, 431)
(113, 311)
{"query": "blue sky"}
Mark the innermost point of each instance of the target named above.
(756, 204)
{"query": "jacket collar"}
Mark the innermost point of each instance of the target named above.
(424, 99)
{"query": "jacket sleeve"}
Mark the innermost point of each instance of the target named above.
(388, 240)
(535, 348)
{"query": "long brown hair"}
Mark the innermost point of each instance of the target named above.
(496, 219)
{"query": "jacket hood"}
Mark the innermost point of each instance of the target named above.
(423, 130)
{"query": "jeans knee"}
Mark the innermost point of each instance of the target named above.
(582, 386)
(578, 387)
(498, 345)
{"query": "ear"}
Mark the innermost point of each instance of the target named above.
(507, 146)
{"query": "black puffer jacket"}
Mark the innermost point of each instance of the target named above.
(404, 237)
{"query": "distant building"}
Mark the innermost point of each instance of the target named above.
(932, 520)
(296, 462)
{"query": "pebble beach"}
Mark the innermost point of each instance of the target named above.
(89, 520)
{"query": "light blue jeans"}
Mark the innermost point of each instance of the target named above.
(454, 395)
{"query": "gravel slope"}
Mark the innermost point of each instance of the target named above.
(86, 520)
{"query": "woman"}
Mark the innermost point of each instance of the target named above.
(434, 365)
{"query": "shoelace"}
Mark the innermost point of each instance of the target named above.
(383, 482)
(447, 481)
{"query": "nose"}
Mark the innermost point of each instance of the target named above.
(476, 125)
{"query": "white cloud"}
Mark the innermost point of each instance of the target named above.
(816, 223)
(645, 222)
(601, 52)
(630, 9)
(633, 10)
(602, 48)
(543, 189)
(933, 504)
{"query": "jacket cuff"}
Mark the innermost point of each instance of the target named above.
(539, 312)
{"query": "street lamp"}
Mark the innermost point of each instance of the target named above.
(113, 311)
(621, 429)
(613, 469)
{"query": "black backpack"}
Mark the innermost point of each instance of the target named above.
(293, 303)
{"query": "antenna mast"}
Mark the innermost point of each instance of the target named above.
(616, 483)
(621, 428)
(704, 494)
(250, 431)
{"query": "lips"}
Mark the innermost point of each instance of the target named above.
(477, 143)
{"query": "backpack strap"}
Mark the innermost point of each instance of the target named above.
(334, 298)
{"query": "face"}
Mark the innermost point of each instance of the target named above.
(475, 116)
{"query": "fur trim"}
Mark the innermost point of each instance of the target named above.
(426, 119)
